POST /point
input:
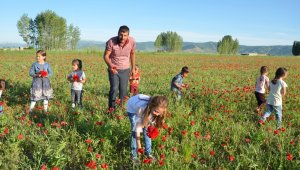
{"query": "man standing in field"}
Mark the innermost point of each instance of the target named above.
(119, 55)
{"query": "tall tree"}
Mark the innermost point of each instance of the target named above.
(228, 46)
(23, 26)
(169, 41)
(51, 30)
(296, 48)
(73, 36)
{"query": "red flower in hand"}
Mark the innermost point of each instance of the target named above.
(141, 151)
(152, 132)
(75, 77)
(43, 73)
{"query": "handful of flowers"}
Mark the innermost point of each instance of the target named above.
(152, 132)
(75, 77)
(43, 73)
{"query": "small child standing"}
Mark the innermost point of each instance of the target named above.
(134, 81)
(41, 87)
(77, 79)
(277, 90)
(262, 82)
(177, 82)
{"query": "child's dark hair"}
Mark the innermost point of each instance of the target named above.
(263, 69)
(78, 63)
(123, 28)
(42, 52)
(184, 69)
(280, 72)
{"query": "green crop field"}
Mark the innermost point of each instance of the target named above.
(212, 127)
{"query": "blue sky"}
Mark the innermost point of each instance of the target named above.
(253, 22)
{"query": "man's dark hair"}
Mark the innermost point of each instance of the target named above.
(123, 28)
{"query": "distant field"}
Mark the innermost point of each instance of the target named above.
(213, 127)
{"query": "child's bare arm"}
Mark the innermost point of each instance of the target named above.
(83, 80)
(283, 91)
(138, 140)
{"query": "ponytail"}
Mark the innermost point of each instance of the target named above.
(280, 72)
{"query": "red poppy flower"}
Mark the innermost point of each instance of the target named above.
(192, 123)
(276, 132)
(43, 73)
(247, 140)
(164, 138)
(55, 168)
(44, 167)
(161, 163)
(20, 136)
(231, 158)
(147, 161)
(292, 142)
(162, 156)
(88, 141)
(152, 132)
(98, 156)
(212, 153)
(63, 123)
(194, 156)
(75, 77)
(39, 125)
(141, 151)
(161, 146)
(104, 166)
(197, 134)
(91, 164)
(261, 122)
(165, 126)
(289, 156)
(183, 132)
(6, 130)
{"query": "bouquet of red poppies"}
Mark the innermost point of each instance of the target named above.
(43, 73)
(75, 77)
(152, 132)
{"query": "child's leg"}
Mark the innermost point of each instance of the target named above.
(278, 114)
(45, 105)
(32, 104)
(135, 90)
(73, 96)
(133, 146)
(148, 143)
(269, 109)
(79, 98)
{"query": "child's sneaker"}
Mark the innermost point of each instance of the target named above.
(135, 161)
(151, 157)
(73, 105)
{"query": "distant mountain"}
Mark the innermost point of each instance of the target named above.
(189, 47)
(84, 44)
(12, 45)
(192, 47)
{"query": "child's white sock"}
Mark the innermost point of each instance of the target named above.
(32, 104)
(45, 105)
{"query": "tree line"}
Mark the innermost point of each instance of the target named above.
(48, 31)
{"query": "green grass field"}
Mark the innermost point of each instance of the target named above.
(213, 127)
